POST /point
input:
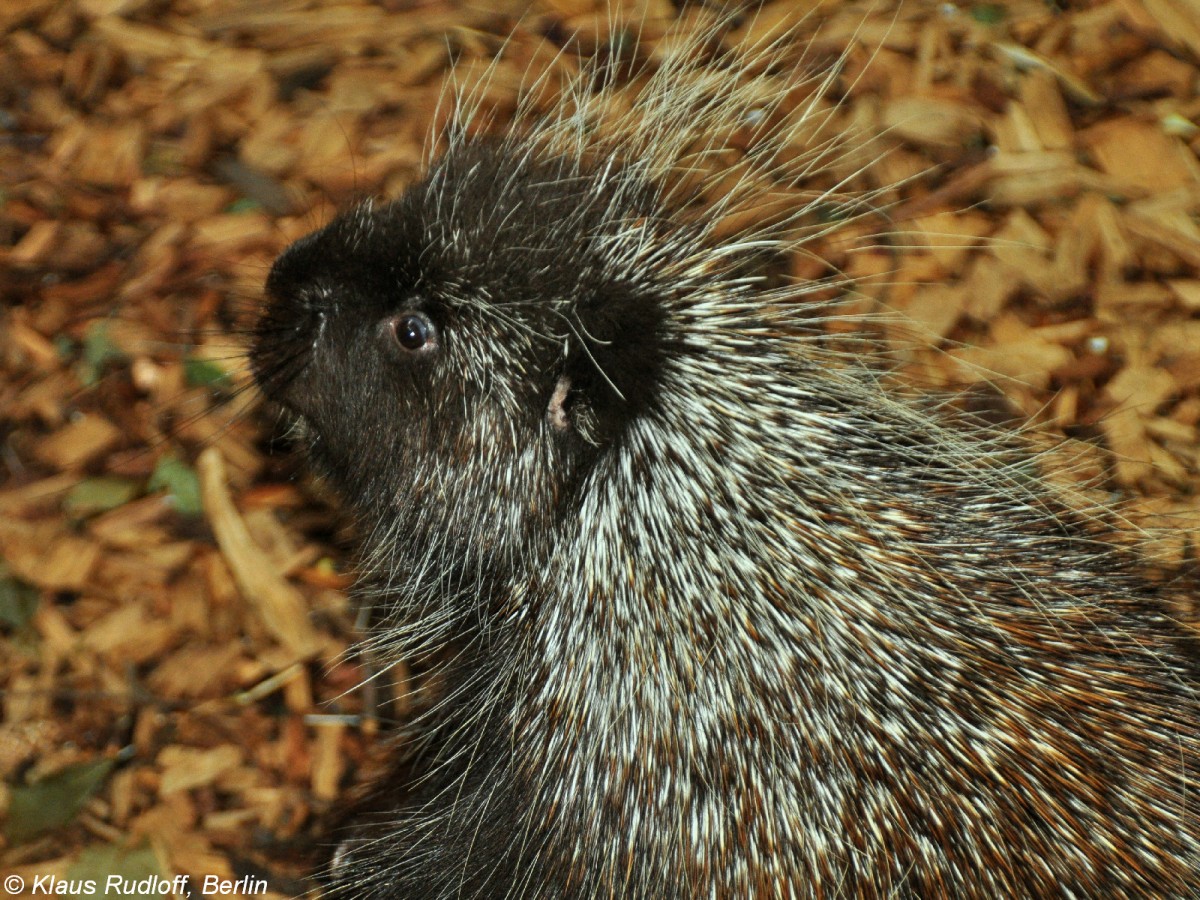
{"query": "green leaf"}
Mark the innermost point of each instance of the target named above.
(50, 804)
(101, 493)
(99, 861)
(989, 13)
(243, 205)
(18, 601)
(64, 347)
(181, 483)
(98, 350)
(204, 373)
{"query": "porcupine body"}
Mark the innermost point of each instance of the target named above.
(723, 618)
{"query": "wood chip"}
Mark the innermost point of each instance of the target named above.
(184, 768)
(281, 606)
(79, 442)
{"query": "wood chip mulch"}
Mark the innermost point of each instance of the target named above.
(176, 691)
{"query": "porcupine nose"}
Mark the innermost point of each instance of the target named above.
(288, 341)
(293, 325)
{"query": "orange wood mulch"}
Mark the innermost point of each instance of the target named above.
(175, 688)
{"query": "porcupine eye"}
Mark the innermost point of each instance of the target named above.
(412, 332)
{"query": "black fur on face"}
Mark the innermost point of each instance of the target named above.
(470, 341)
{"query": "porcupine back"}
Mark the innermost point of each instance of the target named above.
(727, 619)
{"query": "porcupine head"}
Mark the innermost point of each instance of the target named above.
(460, 358)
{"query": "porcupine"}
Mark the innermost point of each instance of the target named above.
(721, 616)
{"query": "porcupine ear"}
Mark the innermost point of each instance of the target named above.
(610, 370)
